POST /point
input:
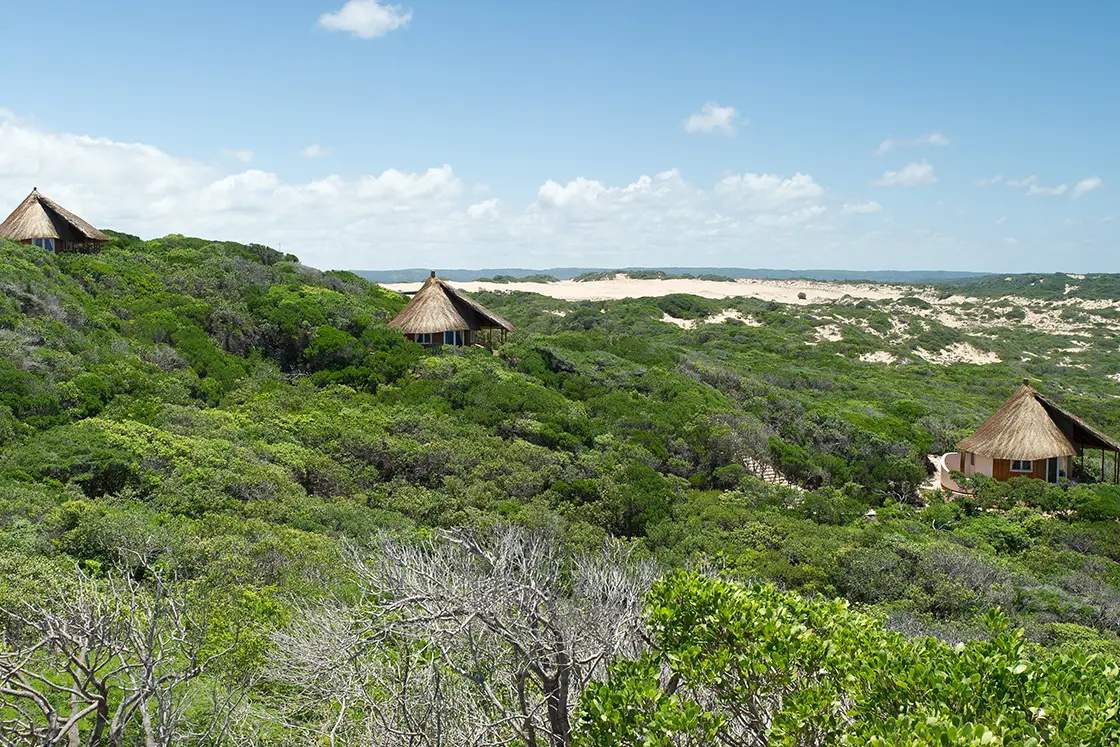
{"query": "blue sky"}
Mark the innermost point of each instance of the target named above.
(502, 132)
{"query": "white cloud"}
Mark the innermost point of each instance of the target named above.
(1037, 190)
(911, 175)
(315, 151)
(485, 209)
(1010, 241)
(1085, 186)
(366, 19)
(713, 118)
(581, 191)
(1000, 220)
(935, 139)
(860, 208)
(785, 220)
(245, 156)
(1034, 189)
(1107, 219)
(766, 190)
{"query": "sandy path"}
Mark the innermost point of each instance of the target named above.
(783, 291)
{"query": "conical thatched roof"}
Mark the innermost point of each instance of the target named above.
(1029, 426)
(438, 307)
(40, 218)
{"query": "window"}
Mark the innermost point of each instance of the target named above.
(452, 338)
(47, 244)
(1021, 465)
(972, 459)
(424, 338)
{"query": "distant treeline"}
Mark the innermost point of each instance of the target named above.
(925, 277)
(649, 275)
(535, 278)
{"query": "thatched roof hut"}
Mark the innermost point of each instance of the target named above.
(1029, 426)
(1030, 437)
(438, 309)
(43, 222)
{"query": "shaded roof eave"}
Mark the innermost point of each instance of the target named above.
(1029, 426)
(1089, 436)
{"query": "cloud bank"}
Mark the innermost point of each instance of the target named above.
(433, 216)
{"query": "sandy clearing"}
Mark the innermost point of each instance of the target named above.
(958, 352)
(732, 314)
(879, 356)
(682, 323)
(829, 333)
(782, 291)
(723, 316)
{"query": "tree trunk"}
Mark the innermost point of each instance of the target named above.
(73, 737)
(146, 724)
(529, 729)
(556, 700)
(101, 719)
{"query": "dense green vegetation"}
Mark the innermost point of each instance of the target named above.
(1055, 286)
(217, 428)
(751, 665)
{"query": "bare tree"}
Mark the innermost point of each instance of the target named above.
(464, 639)
(103, 658)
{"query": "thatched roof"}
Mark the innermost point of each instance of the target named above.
(40, 218)
(1029, 426)
(438, 307)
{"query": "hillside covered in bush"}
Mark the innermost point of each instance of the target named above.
(206, 445)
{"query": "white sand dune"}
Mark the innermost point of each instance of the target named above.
(957, 311)
(958, 352)
(782, 291)
(879, 356)
(682, 323)
(723, 316)
(829, 333)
